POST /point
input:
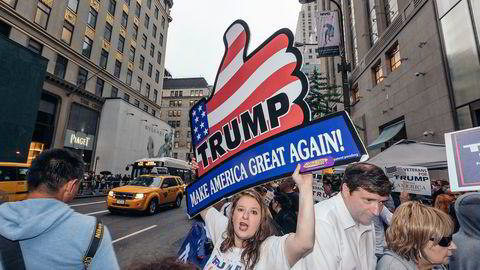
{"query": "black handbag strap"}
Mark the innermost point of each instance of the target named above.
(94, 243)
(11, 254)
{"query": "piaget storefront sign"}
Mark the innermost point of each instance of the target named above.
(80, 140)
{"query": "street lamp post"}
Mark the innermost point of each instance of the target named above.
(343, 67)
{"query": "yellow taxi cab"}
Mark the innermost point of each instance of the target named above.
(13, 181)
(146, 192)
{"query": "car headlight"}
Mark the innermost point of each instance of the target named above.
(111, 193)
(139, 196)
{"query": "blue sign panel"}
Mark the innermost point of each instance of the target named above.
(324, 143)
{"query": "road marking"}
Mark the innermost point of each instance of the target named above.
(94, 213)
(132, 234)
(82, 204)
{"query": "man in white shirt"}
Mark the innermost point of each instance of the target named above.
(344, 232)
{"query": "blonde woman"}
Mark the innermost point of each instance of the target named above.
(419, 238)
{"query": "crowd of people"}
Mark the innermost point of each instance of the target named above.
(274, 226)
(101, 183)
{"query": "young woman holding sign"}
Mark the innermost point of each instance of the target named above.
(245, 240)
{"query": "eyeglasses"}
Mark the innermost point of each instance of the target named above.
(444, 242)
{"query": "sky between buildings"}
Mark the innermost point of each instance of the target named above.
(195, 36)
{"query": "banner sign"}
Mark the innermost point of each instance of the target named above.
(463, 159)
(328, 33)
(255, 127)
(318, 191)
(326, 142)
(415, 180)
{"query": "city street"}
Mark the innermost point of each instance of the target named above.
(137, 237)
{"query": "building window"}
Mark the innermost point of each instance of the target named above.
(135, 32)
(192, 102)
(372, 22)
(147, 90)
(147, 21)
(159, 58)
(126, 97)
(131, 54)
(161, 40)
(118, 69)
(120, 44)
(124, 19)
(111, 7)
(155, 95)
(114, 92)
(92, 18)
(73, 5)
(154, 113)
(157, 76)
(355, 95)
(145, 107)
(144, 41)
(67, 32)
(377, 73)
(136, 103)
(139, 84)
(393, 56)
(149, 4)
(171, 103)
(87, 47)
(175, 155)
(103, 59)
(82, 77)
(107, 33)
(177, 134)
(42, 15)
(180, 93)
(156, 12)
(99, 87)
(189, 134)
(154, 31)
(150, 68)
(137, 9)
(391, 10)
(152, 50)
(60, 66)
(35, 46)
(176, 144)
(142, 62)
(129, 77)
(163, 22)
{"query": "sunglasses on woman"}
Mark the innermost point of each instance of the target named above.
(444, 242)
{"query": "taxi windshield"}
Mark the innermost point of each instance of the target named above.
(145, 182)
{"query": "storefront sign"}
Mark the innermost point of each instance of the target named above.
(414, 180)
(255, 127)
(463, 158)
(79, 140)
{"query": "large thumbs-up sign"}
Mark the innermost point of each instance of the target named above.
(255, 97)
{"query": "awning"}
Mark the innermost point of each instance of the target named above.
(387, 134)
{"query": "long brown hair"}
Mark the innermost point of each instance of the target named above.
(251, 247)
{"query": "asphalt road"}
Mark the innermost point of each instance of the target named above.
(137, 237)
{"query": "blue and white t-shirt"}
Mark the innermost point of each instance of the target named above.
(272, 254)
